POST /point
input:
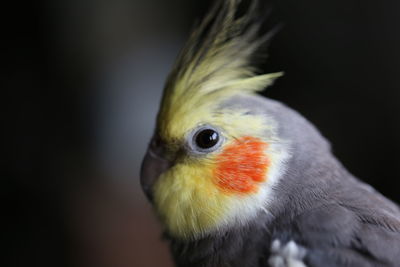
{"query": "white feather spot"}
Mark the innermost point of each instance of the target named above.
(289, 255)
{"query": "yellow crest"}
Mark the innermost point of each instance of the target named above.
(214, 64)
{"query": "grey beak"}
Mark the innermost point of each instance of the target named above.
(153, 166)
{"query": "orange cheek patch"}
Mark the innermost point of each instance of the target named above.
(242, 165)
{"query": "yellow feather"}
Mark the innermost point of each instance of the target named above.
(186, 197)
(214, 65)
(188, 202)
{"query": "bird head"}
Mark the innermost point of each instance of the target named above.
(216, 152)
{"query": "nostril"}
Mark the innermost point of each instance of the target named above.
(156, 143)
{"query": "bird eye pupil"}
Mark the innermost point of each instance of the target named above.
(207, 138)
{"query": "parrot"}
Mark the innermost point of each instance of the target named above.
(239, 179)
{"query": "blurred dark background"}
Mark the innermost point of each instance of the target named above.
(82, 81)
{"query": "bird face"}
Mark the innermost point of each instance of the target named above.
(213, 161)
(218, 169)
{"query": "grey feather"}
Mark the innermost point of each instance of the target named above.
(334, 218)
(338, 219)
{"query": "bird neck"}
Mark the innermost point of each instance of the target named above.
(234, 247)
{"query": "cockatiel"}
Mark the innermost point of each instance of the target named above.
(241, 180)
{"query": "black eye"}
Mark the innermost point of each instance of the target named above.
(206, 138)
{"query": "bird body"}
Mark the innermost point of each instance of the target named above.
(242, 180)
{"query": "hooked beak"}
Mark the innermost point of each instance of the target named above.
(153, 166)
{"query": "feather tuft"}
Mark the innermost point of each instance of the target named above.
(216, 62)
